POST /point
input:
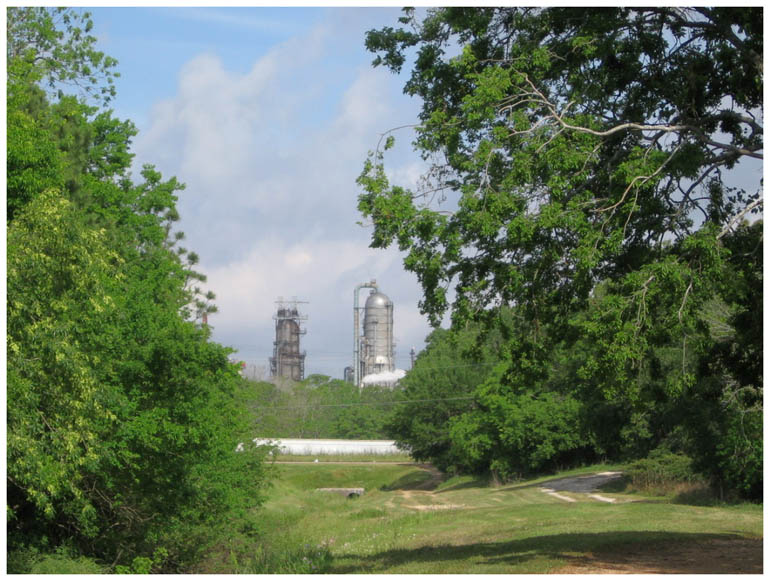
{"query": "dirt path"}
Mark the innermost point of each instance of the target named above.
(436, 477)
(422, 493)
(586, 483)
(716, 556)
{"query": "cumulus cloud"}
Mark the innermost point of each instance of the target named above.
(270, 157)
(275, 268)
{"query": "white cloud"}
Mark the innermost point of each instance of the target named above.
(274, 267)
(270, 158)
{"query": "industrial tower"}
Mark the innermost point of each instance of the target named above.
(373, 352)
(287, 360)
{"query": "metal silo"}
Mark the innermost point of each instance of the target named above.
(377, 353)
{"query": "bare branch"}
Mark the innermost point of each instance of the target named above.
(684, 301)
(739, 216)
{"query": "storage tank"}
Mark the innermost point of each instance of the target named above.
(377, 353)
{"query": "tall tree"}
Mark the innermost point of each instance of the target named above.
(122, 415)
(565, 148)
(574, 144)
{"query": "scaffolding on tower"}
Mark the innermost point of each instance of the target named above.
(288, 360)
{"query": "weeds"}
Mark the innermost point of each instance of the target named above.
(297, 560)
(61, 561)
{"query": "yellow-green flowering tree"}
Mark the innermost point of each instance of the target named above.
(123, 417)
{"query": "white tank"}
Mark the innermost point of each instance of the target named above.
(377, 352)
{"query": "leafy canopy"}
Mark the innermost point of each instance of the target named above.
(580, 168)
(123, 417)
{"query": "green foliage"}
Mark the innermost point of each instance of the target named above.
(55, 47)
(26, 559)
(62, 562)
(144, 565)
(123, 416)
(660, 468)
(440, 387)
(302, 560)
(59, 278)
(577, 173)
(319, 407)
(33, 163)
(520, 434)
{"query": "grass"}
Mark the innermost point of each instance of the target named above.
(466, 526)
(351, 457)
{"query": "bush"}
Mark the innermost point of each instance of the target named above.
(663, 471)
(63, 561)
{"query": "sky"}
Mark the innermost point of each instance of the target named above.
(267, 116)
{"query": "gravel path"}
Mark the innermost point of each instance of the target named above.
(587, 484)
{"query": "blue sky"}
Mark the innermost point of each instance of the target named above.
(267, 115)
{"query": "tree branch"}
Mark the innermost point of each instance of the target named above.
(739, 216)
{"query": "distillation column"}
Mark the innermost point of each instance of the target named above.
(287, 360)
(378, 335)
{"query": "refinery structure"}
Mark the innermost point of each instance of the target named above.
(373, 350)
(287, 360)
(373, 346)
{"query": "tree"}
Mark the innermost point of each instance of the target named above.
(726, 415)
(577, 143)
(53, 47)
(123, 417)
(567, 149)
(442, 386)
(320, 407)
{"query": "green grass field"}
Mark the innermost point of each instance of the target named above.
(464, 525)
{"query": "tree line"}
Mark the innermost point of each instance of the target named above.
(320, 407)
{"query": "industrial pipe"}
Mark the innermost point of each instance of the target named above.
(356, 331)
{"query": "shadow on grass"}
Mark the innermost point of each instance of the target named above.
(638, 547)
(476, 483)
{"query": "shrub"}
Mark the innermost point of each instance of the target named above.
(62, 561)
(663, 470)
